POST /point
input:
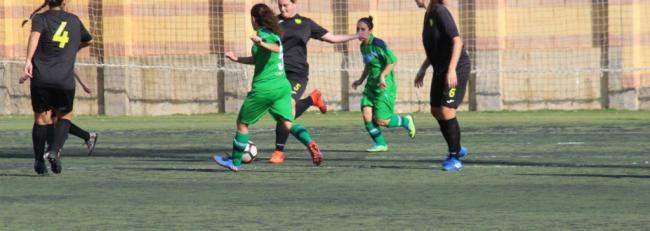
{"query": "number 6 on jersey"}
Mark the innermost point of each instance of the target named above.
(61, 35)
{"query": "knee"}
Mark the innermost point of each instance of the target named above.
(43, 118)
(381, 122)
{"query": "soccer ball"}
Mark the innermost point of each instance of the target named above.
(249, 153)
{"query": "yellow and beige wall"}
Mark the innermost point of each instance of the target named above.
(154, 57)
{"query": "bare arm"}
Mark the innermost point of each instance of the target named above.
(363, 77)
(245, 60)
(339, 38)
(419, 77)
(83, 85)
(452, 79)
(421, 4)
(31, 49)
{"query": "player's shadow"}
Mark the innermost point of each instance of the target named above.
(615, 176)
(20, 175)
(207, 170)
(550, 165)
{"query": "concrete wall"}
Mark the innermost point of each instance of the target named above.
(155, 57)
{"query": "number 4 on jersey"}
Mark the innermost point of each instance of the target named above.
(61, 35)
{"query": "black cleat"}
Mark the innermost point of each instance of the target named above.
(55, 161)
(90, 144)
(39, 167)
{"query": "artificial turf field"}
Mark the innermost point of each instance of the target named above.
(544, 170)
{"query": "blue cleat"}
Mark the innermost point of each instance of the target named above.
(225, 162)
(452, 164)
(463, 152)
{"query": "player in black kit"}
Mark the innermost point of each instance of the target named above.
(55, 39)
(297, 32)
(451, 72)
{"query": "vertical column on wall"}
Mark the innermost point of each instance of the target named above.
(490, 34)
(118, 16)
(623, 80)
(600, 38)
(468, 29)
(217, 48)
(340, 8)
(4, 93)
(96, 12)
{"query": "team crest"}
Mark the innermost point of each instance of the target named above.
(298, 21)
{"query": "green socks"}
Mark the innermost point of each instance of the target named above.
(301, 134)
(238, 147)
(398, 121)
(375, 133)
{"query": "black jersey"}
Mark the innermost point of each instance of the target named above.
(437, 35)
(61, 36)
(297, 32)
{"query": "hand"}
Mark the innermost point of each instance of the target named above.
(419, 78)
(357, 83)
(28, 69)
(23, 79)
(230, 55)
(87, 90)
(452, 79)
(256, 39)
(382, 82)
(420, 3)
(363, 36)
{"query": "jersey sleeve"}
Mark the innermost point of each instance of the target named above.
(268, 37)
(388, 55)
(317, 31)
(446, 22)
(85, 36)
(38, 24)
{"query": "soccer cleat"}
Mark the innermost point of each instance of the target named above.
(463, 152)
(55, 161)
(316, 155)
(226, 163)
(317, 100)
(452, 164)
(90, 143)
(39, 167)
(277, 157)
(411, 127)
(378, 148)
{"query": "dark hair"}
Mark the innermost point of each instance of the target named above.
(50, 3)
(265, 17)
(367, 21)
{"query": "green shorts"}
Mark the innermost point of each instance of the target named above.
(383, 105)
(258, 102)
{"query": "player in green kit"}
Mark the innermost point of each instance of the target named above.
(378, 100)
(271, 90)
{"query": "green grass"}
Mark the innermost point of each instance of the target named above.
(543, 170)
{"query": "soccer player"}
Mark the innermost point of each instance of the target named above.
(270, 89)
(297, 32)
(51, 54)
(451, 66)
(90, 138)
(378, 102)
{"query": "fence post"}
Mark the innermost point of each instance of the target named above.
(217, 48)
(96, 12)
(341, 10)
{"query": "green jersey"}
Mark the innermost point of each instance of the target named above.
(376, 56)
(269, 66)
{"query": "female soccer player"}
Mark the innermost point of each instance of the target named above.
(270, 92)
(297, 32)
(90, 138)
(51, 54)
(451, 66)
(378, 100)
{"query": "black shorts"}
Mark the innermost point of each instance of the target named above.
(45, 99)
(298, 85)
(442, 95)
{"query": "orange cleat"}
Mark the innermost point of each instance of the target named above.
(316, 155)
(317, 100)
(277, 157)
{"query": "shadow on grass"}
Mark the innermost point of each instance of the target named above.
(589, 175)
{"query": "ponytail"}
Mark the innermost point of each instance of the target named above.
(50, 3)
(265, 17)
